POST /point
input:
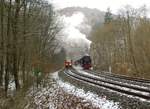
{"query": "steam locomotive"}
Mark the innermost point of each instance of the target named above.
(84, 62)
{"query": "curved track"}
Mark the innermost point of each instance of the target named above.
(116, 86)
(121, 79)
(124, 77)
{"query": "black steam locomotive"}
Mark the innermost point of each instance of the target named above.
(85, 62)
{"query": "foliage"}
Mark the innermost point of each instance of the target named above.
(108, 16)
(123, 43)
(27, 39)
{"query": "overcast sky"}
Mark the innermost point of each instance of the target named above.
(101, 4)
(71, 31)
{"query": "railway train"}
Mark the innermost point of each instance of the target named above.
(84, 62)
(68, 63)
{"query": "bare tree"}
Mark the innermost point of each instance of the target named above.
(120, 43)
(1, 41)
(28, 32)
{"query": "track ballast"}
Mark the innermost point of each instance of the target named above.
(139, 92)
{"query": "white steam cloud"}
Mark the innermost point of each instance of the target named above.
(75, 41)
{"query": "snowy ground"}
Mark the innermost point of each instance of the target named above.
(53, 93)
(61, 95)
(97, 101)
(119, 87)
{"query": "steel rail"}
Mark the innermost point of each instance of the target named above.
(116, 83)
(124, 77)
(110, 76)
(98, 82)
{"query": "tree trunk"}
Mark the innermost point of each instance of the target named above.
(24, 43)
(7, 68)
(132, 54)
(2, 43)
(15, 33)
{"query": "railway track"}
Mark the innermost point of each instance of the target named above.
(119, 83)
(124, 79)
(115, 86)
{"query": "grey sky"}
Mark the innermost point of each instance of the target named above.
(72, 22)
(101, 4)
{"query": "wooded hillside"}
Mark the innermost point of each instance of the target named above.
(123, 43)
(27, 40)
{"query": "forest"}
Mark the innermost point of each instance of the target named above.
(28, 30)
(122, 44)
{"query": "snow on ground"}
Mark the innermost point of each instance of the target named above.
(127, 89)
(56, 94)
(78, 67)
(11, 86)
(54, 97)
(100, 102)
